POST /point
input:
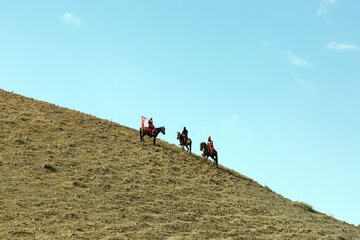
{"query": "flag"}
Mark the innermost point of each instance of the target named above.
(142, 121)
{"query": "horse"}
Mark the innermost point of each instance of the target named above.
(187, 144)
(151, 133)
(207, 153)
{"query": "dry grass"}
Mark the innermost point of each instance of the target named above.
(79, 177)
(305, 206)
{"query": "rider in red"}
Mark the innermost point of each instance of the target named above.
(211, 145)
(151, 125)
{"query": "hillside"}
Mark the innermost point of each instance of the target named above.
(69, 175)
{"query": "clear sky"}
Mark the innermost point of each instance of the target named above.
(276, 84)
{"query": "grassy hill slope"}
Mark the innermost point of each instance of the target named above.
(69, 175)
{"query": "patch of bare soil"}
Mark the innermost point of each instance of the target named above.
(69, 175)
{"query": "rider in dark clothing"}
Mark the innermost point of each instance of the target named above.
(185, 134)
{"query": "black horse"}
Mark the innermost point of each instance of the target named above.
(207, 153)
(148, 132)
(183, 143)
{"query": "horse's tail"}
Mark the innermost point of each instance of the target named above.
(215, 157)
(190, 143)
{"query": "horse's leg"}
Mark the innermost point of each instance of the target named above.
(205, 156)
(156, 133)
(190, 145)
(204, 153)
(155, 137)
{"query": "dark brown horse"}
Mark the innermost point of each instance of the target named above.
(183, 142)
(207, 153)
(148, 132)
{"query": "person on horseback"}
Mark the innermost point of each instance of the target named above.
(210, 145)
(185, 134)
(151, 125)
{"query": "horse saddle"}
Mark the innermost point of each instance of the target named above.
(149, 130)
(185, 141)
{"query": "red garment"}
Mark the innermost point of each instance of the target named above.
(150, 124)
(211, 145)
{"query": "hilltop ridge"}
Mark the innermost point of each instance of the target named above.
(69, 175)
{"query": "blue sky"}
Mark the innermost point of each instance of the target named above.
(275, 83)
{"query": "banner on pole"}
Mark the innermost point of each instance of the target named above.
(142, 121)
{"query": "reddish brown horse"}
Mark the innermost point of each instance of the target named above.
(151, 133)
(183, 142)
(207, 152)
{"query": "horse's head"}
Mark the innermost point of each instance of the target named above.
(202, 146)
(178, 135)
(162, 129)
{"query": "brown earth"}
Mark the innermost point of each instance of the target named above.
(69, 175)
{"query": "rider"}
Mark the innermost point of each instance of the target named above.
(185, 134)
(211, 145)
(151, 125)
